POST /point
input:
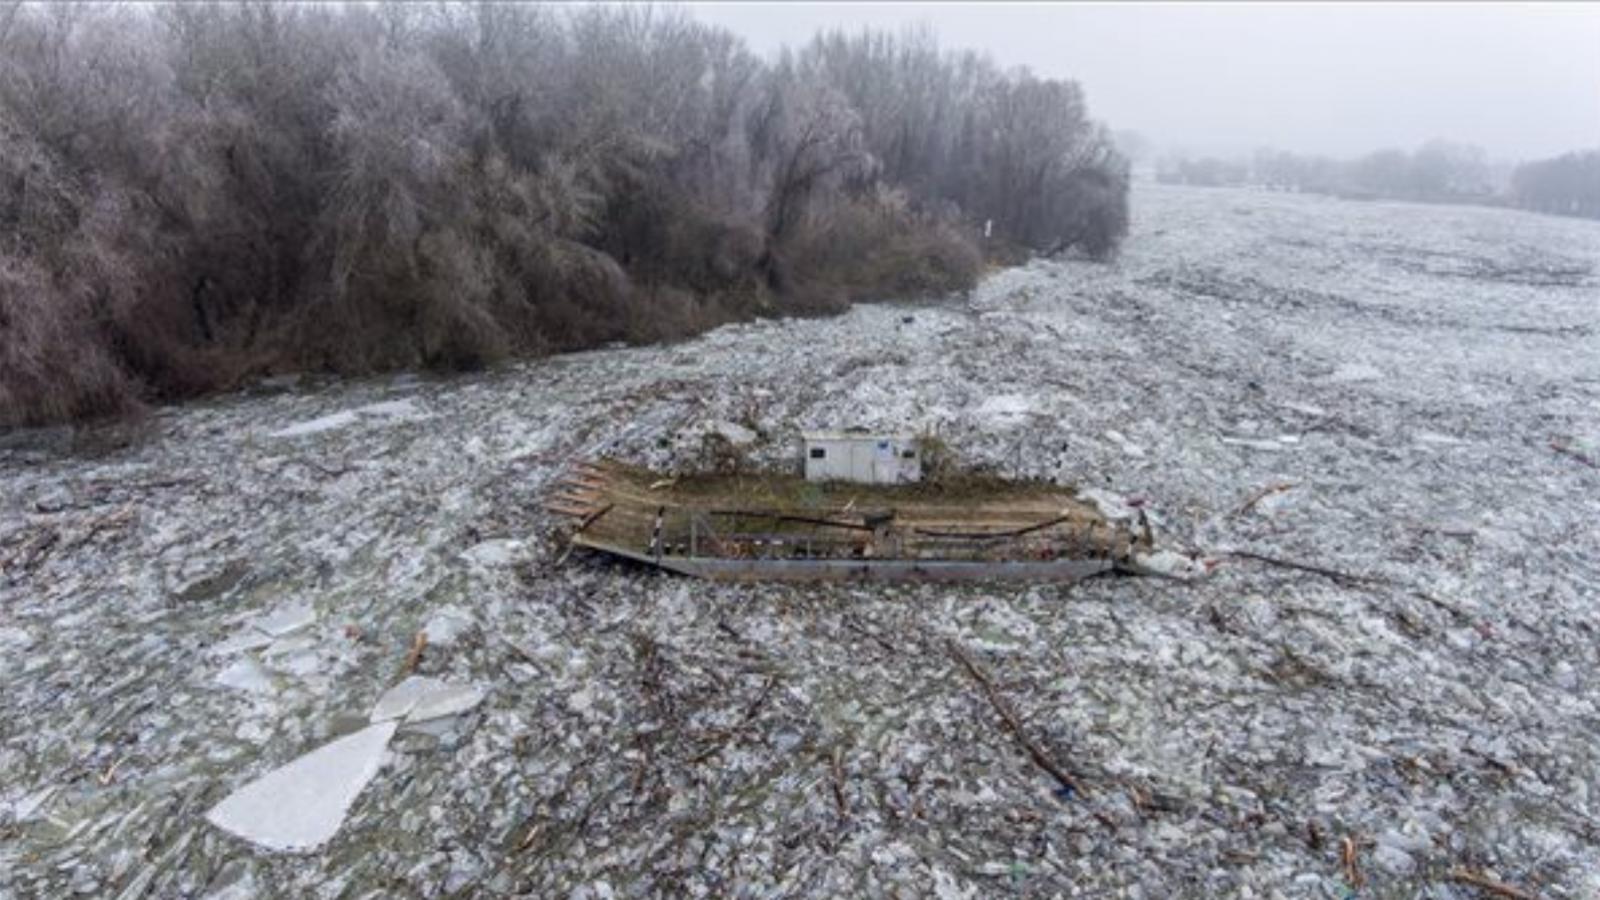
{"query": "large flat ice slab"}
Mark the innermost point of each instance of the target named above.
(398, 701)
(420, 698)
(300, 806)
(316, 426)
(447, 701)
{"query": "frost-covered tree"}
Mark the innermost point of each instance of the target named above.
(195, 193)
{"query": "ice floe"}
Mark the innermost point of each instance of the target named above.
(300, 806)
(390, 410)
(419, 698)
(248, 675)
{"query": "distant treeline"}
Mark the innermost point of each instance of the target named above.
(193, 194)
(1568, 185)
(1438, 171)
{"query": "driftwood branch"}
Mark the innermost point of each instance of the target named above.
(1489, 885)
(837, 770)
(1259, 496)
(1566, 449)
(419, 643)
(33, 551)
(1349, 858)
(1311, 568)
(1012, 722)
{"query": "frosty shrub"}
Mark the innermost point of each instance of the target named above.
(195, 194)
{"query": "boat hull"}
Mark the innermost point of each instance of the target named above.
(866, 570)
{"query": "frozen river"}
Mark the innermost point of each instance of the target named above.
(1402, 399)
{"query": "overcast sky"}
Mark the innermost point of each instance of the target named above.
(1521, 80)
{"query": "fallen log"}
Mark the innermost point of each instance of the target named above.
(1012, 723)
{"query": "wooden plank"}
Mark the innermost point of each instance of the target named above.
(576, 497)
(592, 517)
(579, 511)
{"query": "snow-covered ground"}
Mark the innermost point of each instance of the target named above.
(1408, 395)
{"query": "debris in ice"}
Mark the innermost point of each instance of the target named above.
(300, 806)
(1277, 673)
(245, 674)
(399, 700)
(287, 620)
(1169, 564)
(447, 624)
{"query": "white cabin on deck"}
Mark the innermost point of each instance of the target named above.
(861, 456)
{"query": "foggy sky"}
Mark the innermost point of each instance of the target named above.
(1522, 81)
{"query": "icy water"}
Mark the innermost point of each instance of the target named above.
(1406, 398)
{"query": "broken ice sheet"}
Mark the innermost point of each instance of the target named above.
(448, 700)
(23, 809)
(1169, 564)
(1267, 444)
(315, 426)
(247, 675)
(1353, 372)
(286, 620)
(420, 698)
(398, 701)
(447, 624)
(300, 806)
(247, 638)
(288, 646)
(393, 410)
(1005, 410)
(261, 630)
